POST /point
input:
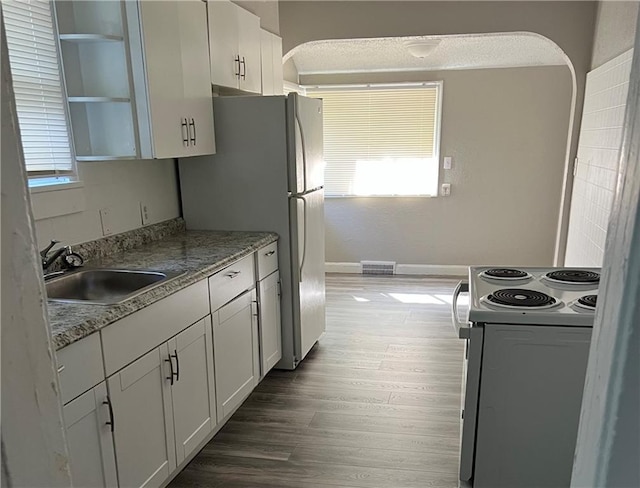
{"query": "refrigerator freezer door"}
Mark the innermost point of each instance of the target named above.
(306, 162)
(307, 235)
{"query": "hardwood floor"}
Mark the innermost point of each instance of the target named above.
(376, 403)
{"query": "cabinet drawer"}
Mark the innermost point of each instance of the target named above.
(267, 260)
(131, 337)
(227, 284)
(80, 367)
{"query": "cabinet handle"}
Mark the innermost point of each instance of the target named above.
(175, 355)
(244, 69)
(185, 132)
(60, 368)
(112, 421)
(192, 123)
(170, 377)
(270, 253)
(279, 289)
(237, 60)
(233, 274)
(257, 309)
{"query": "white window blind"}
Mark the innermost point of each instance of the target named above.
(381, 141)
(37, 87)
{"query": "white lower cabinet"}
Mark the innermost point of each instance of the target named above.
(164, 406)
(236, 353)
(90, 441)
(143, 415)
(193, 392)
(270, 329)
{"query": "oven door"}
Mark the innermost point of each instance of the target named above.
(473, 334)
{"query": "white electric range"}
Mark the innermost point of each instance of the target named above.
(528, 334)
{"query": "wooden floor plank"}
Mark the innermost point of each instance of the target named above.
(376, 403)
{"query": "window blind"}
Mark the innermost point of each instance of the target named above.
(37, 87)
(380, 141)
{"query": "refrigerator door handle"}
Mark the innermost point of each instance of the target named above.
(304, 232)
(304, 150)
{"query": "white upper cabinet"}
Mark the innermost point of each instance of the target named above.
(169, 43)
(137, 78)
(271, 59)
(234, 45)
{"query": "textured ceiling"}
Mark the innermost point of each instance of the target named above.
(454, 52)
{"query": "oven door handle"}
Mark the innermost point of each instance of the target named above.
(463, 331)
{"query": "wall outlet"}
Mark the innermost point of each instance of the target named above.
(445, 189)
(144, 213)
(107, 221)
(448, 160)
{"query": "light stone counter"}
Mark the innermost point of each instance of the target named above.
(197, 253)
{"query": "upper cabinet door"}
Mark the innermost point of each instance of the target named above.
(196, 76)
(234, 45)
(266, 60)
(223, 43)
(170, 58)
(162, 56)
(249, 50)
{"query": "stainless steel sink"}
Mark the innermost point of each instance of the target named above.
(103, 286)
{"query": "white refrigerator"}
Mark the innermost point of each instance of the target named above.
(268, 175)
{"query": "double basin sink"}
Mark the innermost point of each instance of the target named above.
(103, 286)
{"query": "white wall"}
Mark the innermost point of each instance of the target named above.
(506, 131)
(33, 447)
(119, 186)
(597, 172)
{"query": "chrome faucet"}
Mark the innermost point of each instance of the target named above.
(47, 260)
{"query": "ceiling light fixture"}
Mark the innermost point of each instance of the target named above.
(421, 48)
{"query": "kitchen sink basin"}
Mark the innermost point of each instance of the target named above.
(103, 286)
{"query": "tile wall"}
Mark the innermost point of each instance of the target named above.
(598, 157)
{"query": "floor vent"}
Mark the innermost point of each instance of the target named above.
(378, 267)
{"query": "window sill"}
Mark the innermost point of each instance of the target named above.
(58, 199)
(330, 197)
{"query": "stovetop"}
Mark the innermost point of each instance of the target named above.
(527, 295)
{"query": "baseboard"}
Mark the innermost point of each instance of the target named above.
(403, 269)
(351, 268)
(432, 269)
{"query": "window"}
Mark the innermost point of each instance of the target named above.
(38, 91)
(381, 140)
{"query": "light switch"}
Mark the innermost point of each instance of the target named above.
(446, 189)
(447, 162)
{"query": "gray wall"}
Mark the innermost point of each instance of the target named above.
(569, 24)
(506, 131)
(615, 30)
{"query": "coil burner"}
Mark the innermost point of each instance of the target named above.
(521, 298)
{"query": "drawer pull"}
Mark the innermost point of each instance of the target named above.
(175, 355)
(172, 374)
(270, 253)
(60, 369)
(111, 422)
(233, 274)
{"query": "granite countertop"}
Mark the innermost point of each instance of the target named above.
(197, 253)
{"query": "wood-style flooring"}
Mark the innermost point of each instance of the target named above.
(376, 403)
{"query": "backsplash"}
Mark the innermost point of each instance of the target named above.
(110, 245)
